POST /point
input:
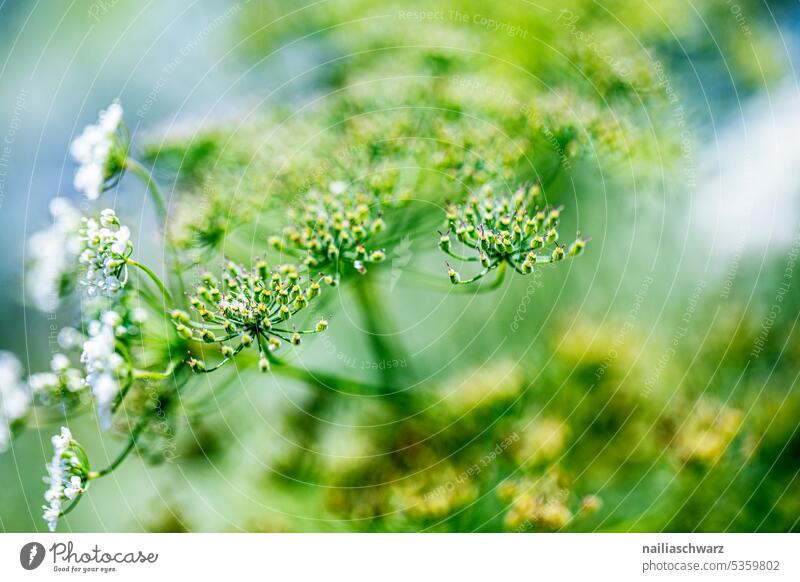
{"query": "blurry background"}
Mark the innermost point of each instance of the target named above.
(652, 385)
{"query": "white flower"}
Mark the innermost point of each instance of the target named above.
(53, 253)
(67, 476)
(106, 246)
(15, 398)
(51, 386)
(104, 366)
(91, 150)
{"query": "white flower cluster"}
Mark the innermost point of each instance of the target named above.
(52, 254)
(104, 366)
(106, 246)
(92, 150)
(67, 475)
(62, 378)
(14, 396)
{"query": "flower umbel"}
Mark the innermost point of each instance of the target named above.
(106, 248)
(53, 251)
(100, 151)
(14, 397)
(251, 307)
(68, 475)
(505, 229)
(104, 366)
(334, 227)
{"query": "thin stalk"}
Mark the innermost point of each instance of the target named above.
(144, 374)
(384, 348)
(153, 277)
(321, 379)
(123, 455)
(152, 188)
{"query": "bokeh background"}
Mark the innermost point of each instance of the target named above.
(650, 386)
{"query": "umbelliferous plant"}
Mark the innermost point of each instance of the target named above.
(318, 231)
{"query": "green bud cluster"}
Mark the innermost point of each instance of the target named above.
(497, 229)
(248, 308)
(334, 229)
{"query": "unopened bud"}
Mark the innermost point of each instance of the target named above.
(455, 278)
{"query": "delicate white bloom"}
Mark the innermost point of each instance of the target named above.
(91, 150)
(106, 246)
(104, 366)
(15, 398)
(62, 378)
(69, 338)
(67, 476)
(53, 253)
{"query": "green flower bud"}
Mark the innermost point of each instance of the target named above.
(179, 316)
(378, 226)
(262, 269)
(322, 325)
(263, 364)
(197, 365)
(455, 278)
(377, 256)
(313, 290)
(552, 235)
(296, 338)
(558, 253)
(444, 242)
(226, 351)
(247, 339)
(183, 331)
(208, 336)
(577, 247)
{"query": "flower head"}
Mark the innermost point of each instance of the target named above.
(15, 398)
(255, 308)
(52, 254)
(68, 476)
(505, 229)
(106, 247)
(334, 228)
(100, 152)
(61, 383)
(104, 366)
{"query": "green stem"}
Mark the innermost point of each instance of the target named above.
(321, 379)
(72, 506)
(145, 374)
(384, 348)
(123, 455)
(161, 209)
(153, 277)
(152, 188)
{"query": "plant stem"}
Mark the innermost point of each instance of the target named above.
(152, 188)
(72, 506)
(161, 209)
(144, 374)
(123, 455)
(320, 378)
(153, 277)
(384, 348)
